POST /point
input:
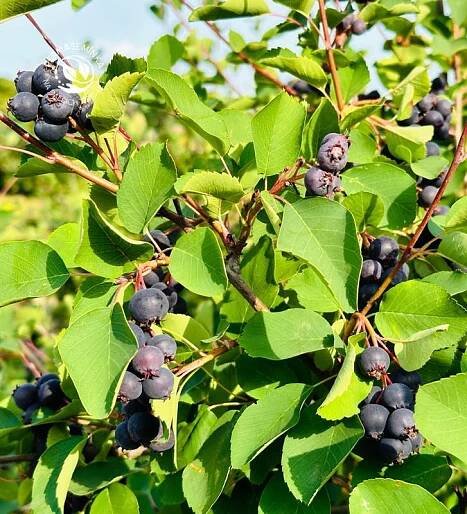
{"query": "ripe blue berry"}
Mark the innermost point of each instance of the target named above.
(148, 361)
(122, 437)
(134, 406)
(25, 395)
(394, 450)
(442, 132)
(301, 87)
(427, 103)
(431, 149)
(165, 344)
(401, 424)
(138, 331)
(432, 118)
(427, 195)
(332, 155)
(151, 279)
(365, 292)
(131, 387)
(46, 77)
(23, 81)
(416, 442)
(402, 275)
(413, 119)
(28, 414)
(57, 105)
(358, 26)
(163, 242)
(374, 396)
(398, 396)
(159, 387)
(385, 250)
(410, 378)
(24, 106)
(45, 378)
(143, 427)
(50, 132)
(50, 394)
(439, 84)
(444, 107)
(319, 182)
(371, 270)
(82, 115)
(374, 417)
(374, 361)
(148, 305)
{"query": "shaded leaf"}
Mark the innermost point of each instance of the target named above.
(229, 9)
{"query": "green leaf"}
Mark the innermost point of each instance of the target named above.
(314, 449)
(441, 414)
(257, 270)
(34, 166)
(302, 6)
(456, 219)
(457, 11)
(121, 64)
(185, 329)
(147, 184)
(415, 306)
(391, 184)
(362, 148)
(385, 496)
(408, 143)
(281, 335)
(277, 134)
(348, 389)
(260, 424)
(238, 125)
(453, 247)
(323, 121)
(303, 68)
(353, 78)
(205, 477)
(454, 282)
(10, 8)
(94, 293)
(29, 269)
(197, 263)
(164, 53)
(97, 369)
(98, 474)
(190, 109)
(109, 104)
(104, 250)
(429, 167)
(53, 474)
(323, 232)
(277, 499)
(366, 208)
(354, 115)
(65, 241)
(229, 9)
(118, 498)
(429, 471)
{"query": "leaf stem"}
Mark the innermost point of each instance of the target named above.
(199, 363)
(330, 56)
(8, 459)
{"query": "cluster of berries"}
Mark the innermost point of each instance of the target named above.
(147, 378)
(351, 23)
(380, 257)
(43, 96)
(387, 414)
(45, 392)
(324, 180)
(431, 110)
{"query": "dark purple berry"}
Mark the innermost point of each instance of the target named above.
(358, 26)
(431, 149)
(122, 437)
(372, 95)
(130, 408)
(161, 286)
(441, 210)
(401, 424)
(148, 361)
(414, 118)
(347, 22)
(427, 103)
(24, 106)
(334, 136)
(51, 395)
(172, 296)
(439, 179)
(398, 396)
(143, 427)
(385, 250)
(394, 450)
(442, 132)
(165, 344)
(332, 155)
(319, 182)
(301, 87)
(416, 442)
(138, 331)
(131, 387)
(57, 105)
(373, 417)
(374, 396)
(28, 415)
(438, 85)
(427, 195)
(409, 378)
(444, 107)
(148, 305)
(371, 270)
(23, 81)
(160, 445)
(45, 378)
(82, 115)
(402, 275)
(46, 78)
(160, 387)
(365, 292)
(374, 361)
(49, 132)
(151, 279)
(163, 242)
(25, 395)
(432, 118)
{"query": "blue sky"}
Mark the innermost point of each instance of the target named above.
(124, 26)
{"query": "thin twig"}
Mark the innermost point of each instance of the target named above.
(47, 39)
(330, 56)
(199, 363)
(8, 459)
